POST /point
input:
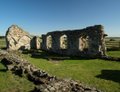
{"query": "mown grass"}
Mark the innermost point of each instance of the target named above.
(114, 53)
(2, 43)
(12, 83)
(104, 75)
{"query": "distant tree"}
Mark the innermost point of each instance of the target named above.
(1, 37)
(112, 39)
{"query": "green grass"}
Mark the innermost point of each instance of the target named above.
(104, 75)
(85, 71)
(11, 83)
(2, 43)
(113, 43)
(114, 53)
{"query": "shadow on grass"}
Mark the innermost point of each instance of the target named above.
(53, 56)
(113, 75)
(3, 48)
(3, 70)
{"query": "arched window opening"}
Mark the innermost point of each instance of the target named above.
(49, 42)
(83, 43)
(63, 42)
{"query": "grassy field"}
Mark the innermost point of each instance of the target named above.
(2, 43)
(113, 43)
(104, 75)
(114, 53)
(11, 83)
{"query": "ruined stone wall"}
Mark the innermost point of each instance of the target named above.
(18, 39)
(35, 43)
(85, 42)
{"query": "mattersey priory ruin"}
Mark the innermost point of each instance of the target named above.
(18, 39)
(87, 42)
(82, 42)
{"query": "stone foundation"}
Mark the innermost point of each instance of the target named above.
(42, 80)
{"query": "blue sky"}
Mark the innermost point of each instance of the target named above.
(41, 16)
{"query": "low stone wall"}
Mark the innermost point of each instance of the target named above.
(43, 81)
(110, 58)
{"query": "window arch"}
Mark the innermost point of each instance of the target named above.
(49, 42)
(63, 42)
(83, 43)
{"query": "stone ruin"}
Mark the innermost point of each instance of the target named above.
(42, 80)
(18, 39)
(87, 42)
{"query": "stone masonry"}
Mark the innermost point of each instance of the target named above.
(18, 39)
(42, 80)
(87, 42)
